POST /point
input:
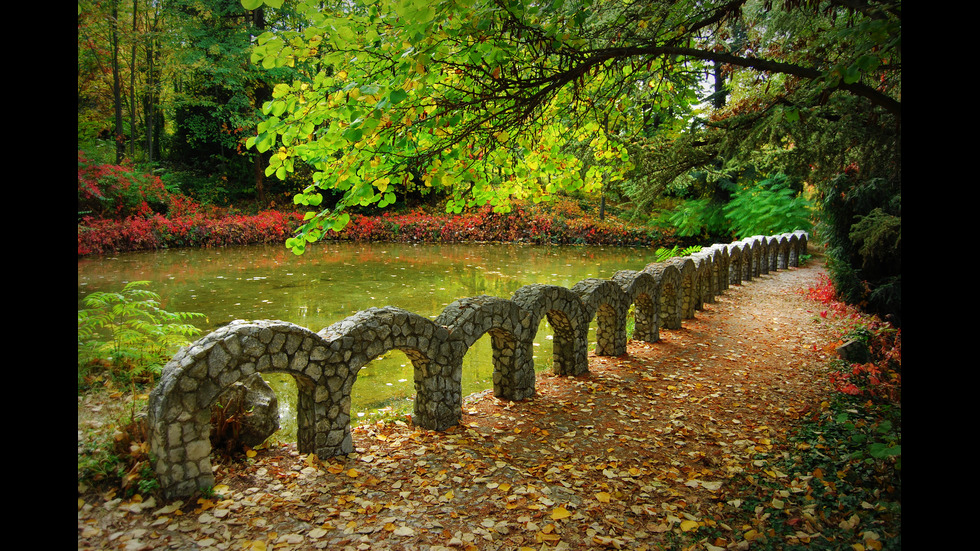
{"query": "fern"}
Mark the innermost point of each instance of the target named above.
(663, 253)
(768, 207)
(128, 333)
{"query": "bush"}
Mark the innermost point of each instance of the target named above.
(559, 224)
(767, 207)
(116, 191)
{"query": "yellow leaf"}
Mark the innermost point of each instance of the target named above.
(559, 513)
(353, 473)
(541, 537)
(504, 487)
(603, 497)
(688, 525)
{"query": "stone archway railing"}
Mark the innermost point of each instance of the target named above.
(325, 364)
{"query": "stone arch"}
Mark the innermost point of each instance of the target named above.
(797, 247)
(736, 258)
(748, 260)
(775, 251)
(605, 301)
(704, 285)
(722, 265)
(511, 340)
(781, 258)
(436, 362)
(762, 242)
(179, 411)
(689, 280)
(643, 292)
(567, 316)
(793, 259)
(803, 239)
(755, 245)
(714, 254)
(668, 279)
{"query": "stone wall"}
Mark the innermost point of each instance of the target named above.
(325, 364)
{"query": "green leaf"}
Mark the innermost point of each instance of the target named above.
(398, 96)
(340, 222)
(880, 451)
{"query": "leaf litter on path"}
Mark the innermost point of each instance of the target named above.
(637, 450)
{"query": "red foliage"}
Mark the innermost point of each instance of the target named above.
(879, 378)
(562, 225)
(103, 236)
(117, 191)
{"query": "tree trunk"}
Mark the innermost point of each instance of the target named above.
(117, 85)
(132, 87)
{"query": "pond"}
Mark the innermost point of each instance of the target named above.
(334, 280)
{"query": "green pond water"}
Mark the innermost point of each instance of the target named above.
(334, 280)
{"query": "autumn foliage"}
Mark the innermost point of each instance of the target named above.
(563, 223)
(879, 378)
(122, 210)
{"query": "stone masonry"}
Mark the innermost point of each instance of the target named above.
(325, 364)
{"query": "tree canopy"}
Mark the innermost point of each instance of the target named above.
(488, 100)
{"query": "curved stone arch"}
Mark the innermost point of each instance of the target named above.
(803, 239)
(179, 411)
(778, 247)
(736, 255)
(566, 314)
(704, 285)
(758, 254)
(793, 258)
(436, 362)
(668, 279)
(763, 266)
(511, 340)
(689, 280)
(643, 292)
(605, 301)
(723, 265)
(718, 264)
(774, 247)
(750, 258)
(797, 247)
(784, 254)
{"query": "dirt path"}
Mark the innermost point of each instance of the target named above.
(621, 457)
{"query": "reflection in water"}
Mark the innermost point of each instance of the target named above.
(334, 280)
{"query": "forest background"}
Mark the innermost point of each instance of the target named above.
(706, 121)
(220, 122)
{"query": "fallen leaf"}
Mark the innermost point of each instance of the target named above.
(688, 525)
(559, 513)
(404, 531)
